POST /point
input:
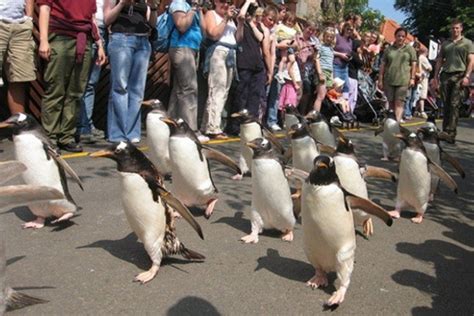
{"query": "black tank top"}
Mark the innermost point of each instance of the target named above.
(249, 54)
(132, 20)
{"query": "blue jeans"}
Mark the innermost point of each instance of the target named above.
(129, 56)
(411, 100)
(84, 124)
(272, 102)
(342, 72)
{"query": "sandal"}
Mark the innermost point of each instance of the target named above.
(220, 136)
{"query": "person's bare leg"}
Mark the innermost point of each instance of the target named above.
(16, 97)
(320, 97)
(398, 109)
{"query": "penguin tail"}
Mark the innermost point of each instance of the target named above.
(17, 300)
(190, 254)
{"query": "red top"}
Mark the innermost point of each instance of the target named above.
(73, 18)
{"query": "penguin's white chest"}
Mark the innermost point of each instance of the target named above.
(414, 179)
(192, 182)
(271, 196)
(40, 171)
(392, 143)
(145, 216)
(304, 151)
(158, 135)
(321, 132)
(328, 227)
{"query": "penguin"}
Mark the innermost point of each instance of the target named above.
(429, 134)
(158, 136)
(292, 116)
(328, 227)
(391, 145)
(321, 130)
(192, 179)
(414, 182)
(147, 206)
(271, 205)
(44, 167)
(250, 128)
(352, 177)
(303, 147)
(11, 196)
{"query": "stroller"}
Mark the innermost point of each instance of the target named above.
(331, 110)
(370, 101)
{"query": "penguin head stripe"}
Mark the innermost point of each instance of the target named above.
(21, 117)
(122, 146)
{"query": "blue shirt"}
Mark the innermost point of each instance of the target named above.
(192, 37)
(326, 57)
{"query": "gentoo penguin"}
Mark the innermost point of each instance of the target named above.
(321, 130)
(414, 181)
(271, 197)
(45, 167)
(391, 145)
(158, 136)
(147, 205)
(292, 116)
(303, 147)
(431, 141)
(328, 226)
(352, 177)
(192, 180)
(11, 196)
(250, 129)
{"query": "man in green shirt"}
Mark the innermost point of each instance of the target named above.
(455, 60)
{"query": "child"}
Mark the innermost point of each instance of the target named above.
(326, 58)
(285, 33)
(335, 95)
(291, 88)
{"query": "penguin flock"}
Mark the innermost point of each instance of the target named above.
(318, 178)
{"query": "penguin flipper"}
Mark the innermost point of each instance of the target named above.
(190, 254)
(297, 174)
(288, 155)
(64, 165)
(443, 175)
(380, 173)
(326, 149)
(273, 139)
(213, 154)
(179, 207)
(379, 130)
(10, 169)
(17, 300)
(368, 207)
(454, 162)
(16, 195)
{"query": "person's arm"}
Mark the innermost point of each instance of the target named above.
(43, 22)
(467, 75)
(438, 65)
(269, 53)
(215, 30)
(381, 74)
(101, 57)
(29, 8)
(112, 10)
(239, 34)
(256, 32)
(412, 73)
(152, 13)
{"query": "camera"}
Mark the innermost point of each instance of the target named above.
(207, 4)
(252, 9)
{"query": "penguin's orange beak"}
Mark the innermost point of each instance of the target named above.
(321, 165)
(399, 136)
(102, 154)
(148, 103)
(251, 145)
(291, 131)
(5, 125)
(237, 114)
(169, 121)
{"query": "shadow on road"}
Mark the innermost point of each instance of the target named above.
(192, 305)
(237, 221)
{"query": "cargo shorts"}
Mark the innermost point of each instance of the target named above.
(17, 51)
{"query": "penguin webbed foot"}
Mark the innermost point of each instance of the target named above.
(35, 224)
(250, 239)
(318, 280)
(417, 219)
(237, 177)
(394, 214)
(147, 276)
(287, 236)
(368, 227)
(210, 208)
(65, 217)
(337, 297)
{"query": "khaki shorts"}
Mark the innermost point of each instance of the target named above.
(394, 93)
(424, 89)
(17, 51)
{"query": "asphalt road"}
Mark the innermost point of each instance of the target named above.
(87, 267)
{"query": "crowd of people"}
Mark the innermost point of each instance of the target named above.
(272, 61)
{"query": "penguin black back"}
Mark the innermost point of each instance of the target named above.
(262, 148)
(324, 171)
(299, 130)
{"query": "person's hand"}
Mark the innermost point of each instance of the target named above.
(44, 50)
(269, 78)
(380, 85)
(297, 86)
(101, 57)
(231, 12)
(343, 57)
(435, 84)
(412, 83)
(465, 82)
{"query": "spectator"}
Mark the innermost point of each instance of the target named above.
(129, 49)
(308, 63)
(220, 64)
(285, 33)
(357, 22)
(424, 69)
(456, 59)
(65, 28)
(183, 54)
(17, 50)
(250, 64)
(86, 132)
(413, 92)
(397, 72)
(342, 55)
(355, 64)
(326, 58)
(290, 90)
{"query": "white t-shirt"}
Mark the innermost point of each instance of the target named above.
(228, 36)
(12, 11)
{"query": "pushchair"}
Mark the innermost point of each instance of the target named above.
(370, 101)
(331, 110)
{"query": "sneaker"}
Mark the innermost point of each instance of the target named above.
(275, 128)
(423, 115)
(402, 121)
(279, 78)
(87, 139)
(135, 140)
(98, 133)
(202, 138)
(71, 147)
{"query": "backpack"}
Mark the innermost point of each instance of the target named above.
(164, 28)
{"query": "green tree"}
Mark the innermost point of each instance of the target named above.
(372, 18)
(433, 17)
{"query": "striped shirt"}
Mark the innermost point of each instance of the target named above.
(326, 57)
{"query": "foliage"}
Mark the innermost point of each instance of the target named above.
(372, 18)
(428, 18)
